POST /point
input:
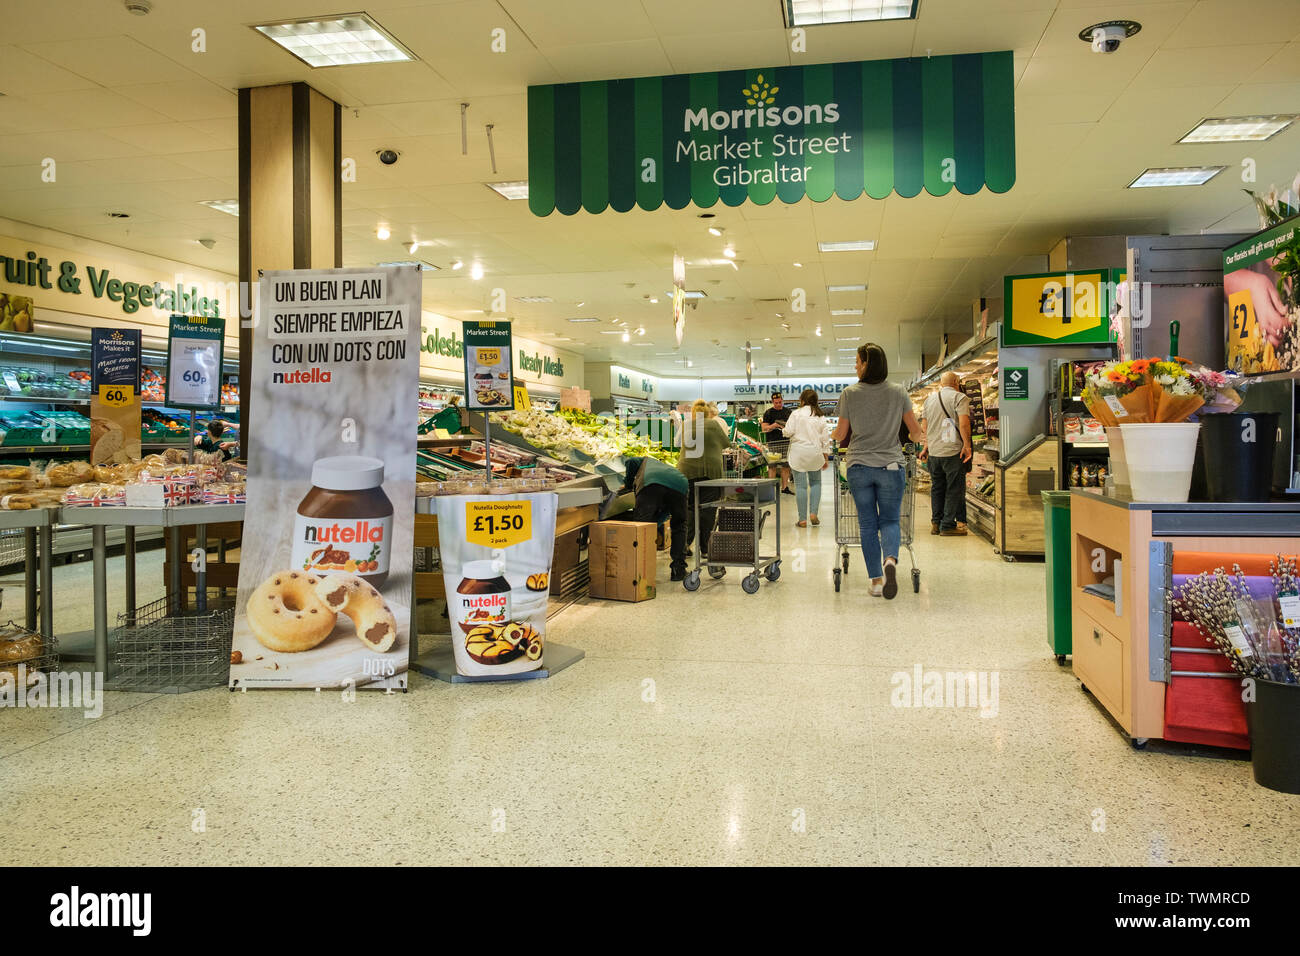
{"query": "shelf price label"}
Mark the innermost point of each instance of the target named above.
(116, 396)
(498, 524)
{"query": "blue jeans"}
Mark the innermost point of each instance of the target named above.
(807, 492)
(878, 494)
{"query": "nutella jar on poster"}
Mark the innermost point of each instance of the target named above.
(496, 555)
(345, 522)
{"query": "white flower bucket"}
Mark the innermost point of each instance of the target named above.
(1118, 463)
(1160, 459)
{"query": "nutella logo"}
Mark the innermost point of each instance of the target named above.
(486, 600)
(313, 376)
(363, 532)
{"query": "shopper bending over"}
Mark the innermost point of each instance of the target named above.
(810, 448)
(870, 413)
(704, 439)
(946, 417)
(660, 489)
(774, 420)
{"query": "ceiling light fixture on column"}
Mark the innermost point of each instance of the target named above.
(382, 232)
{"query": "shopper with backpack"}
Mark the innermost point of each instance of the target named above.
(946, 417)
(870, 413)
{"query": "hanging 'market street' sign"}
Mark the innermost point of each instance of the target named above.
(842, 129)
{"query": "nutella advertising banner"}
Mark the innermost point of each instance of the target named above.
(325, 572)
(496, 564)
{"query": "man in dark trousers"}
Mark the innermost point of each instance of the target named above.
(661, 489)
(773, 422)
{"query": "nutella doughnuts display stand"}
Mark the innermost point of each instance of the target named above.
(496, 552)
(325, 574)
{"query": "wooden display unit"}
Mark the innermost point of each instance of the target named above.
(1017, 502)
(1120, 656)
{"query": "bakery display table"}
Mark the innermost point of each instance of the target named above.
(36, 524)
(173, 519)
(1121, 645)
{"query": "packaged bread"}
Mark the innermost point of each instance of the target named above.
(426, 489)
(95, 494)
(19, 645)
(17, 472)
(114, 474)
(175, 456)
(106, 440)
(65, 474)
(233, 471)
(29, 500)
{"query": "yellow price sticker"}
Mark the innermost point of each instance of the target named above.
(498, 524)
(116, 396)
(488, 356)
(521, 398)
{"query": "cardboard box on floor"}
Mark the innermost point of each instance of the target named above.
(621, 558)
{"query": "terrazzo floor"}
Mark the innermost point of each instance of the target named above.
(706, 728)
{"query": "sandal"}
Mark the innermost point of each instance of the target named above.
(801, 524)
(814, 520)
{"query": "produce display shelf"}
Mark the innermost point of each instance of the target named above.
(40, 400)
(61, 449)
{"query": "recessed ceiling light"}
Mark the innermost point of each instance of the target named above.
(1177, 176)
(585, 320)
(412, 247)
(338, 41)
(229, 206)
(643, 345)
(729, 252)
(382, 232)
(456, 264)
(851, 338)
(611, 332)
(476, 271)
(640, 330)
(798, 265)
(848, 325)
(818, 330)
(847, 311)
(846, 350)
(626, 337)
(512, 190)
(714, 231)
(848, 245)
(654, 301)
(846, 288)
(1239, 129)
(691, 294)
(828, 360)
(810, 13)
(533, 298)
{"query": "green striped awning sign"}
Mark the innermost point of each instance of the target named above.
(844, 129)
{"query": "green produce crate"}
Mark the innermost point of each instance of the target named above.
(1056, 517)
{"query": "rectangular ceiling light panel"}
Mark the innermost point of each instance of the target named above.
(337, 41)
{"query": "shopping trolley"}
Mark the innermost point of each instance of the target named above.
(847, 531)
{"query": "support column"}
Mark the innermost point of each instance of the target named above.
(290, 193)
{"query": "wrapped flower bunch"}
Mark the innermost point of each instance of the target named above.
(1143, 391)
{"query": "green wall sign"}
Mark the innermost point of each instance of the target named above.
(39, 273)
(843, 129)
(1015, 384)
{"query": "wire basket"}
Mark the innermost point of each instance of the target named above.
(163, 649)
(19, 646)
(13, 547)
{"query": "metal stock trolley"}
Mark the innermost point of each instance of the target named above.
(847, 530)
(741, 511)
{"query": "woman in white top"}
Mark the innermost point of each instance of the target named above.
(810, 447)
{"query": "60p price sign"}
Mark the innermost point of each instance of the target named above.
(194, 356)
(498, 524)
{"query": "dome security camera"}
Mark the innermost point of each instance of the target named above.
(1106, 37)
(387, 156)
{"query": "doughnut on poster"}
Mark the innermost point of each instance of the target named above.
(325, 570)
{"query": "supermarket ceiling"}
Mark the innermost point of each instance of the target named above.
(141, 124)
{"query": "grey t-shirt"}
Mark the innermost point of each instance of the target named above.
(875, 413)
(956, 405)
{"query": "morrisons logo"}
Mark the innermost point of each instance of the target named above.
(760, 112)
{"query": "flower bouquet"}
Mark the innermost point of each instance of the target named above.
(1120, 391)
(1219, 390)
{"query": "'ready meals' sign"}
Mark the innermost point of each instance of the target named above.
(841, 129)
